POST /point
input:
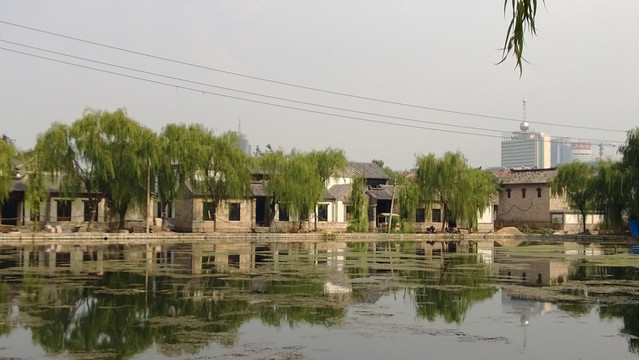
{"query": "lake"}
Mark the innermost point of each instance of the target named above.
(318, 300)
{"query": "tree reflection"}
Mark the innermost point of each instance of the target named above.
(450, 293)
(630, 315)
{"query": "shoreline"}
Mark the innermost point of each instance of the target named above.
(173, 237)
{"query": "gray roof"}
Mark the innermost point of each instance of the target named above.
(385, 192)
(368, 170)
(341, 192)
(531, 176)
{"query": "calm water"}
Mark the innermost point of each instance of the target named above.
(321, 300)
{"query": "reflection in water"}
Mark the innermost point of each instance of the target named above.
(121, 300)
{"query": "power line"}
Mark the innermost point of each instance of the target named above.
(264, 102)
(252, 93)
(300, 86)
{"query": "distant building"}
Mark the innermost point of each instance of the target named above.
(582, 152)
(560, 151)
(525, 149)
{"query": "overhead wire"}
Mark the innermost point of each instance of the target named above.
(300, 86)
(608, 142)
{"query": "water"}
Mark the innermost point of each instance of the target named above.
(325, 300)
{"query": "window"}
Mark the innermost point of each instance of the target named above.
(208, 211)
(87, 212)
(63, 210)
(159, 207)
(538, 192)
(420, 215)
(508, 193)
(523, 193)
(349, 212)
(436, 215)
(283, 212)
(234, 212)
(322, 212)
(169, 210)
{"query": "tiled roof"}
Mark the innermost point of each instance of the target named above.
(341, 192)
(532, 176)
(368, 170)
(385, 192)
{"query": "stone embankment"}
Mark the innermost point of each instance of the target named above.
(172, 237)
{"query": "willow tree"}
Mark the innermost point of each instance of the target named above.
(462, 192)
(409, 199)
(298, 179)
(574, 181)
(358, 204)
(128, 150)
(77, 155)
(522, 22)
(225, 170)
(327, 163)
(630, 166)
(36, 193)
(179, 148)
(304, 188)
(272, 165)
(7, 155)
(609, 195)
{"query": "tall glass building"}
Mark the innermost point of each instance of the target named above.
(525, 149)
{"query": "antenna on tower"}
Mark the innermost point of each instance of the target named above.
(524, 124)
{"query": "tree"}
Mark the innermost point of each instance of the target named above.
(409, 198)
(358, 221)
(36, 192)
(179, 151)
(522, 22)
(298, 180)
(574, 180)
(77, 156)
(225, 170)
(128, 150)
(463, 193)
(7, 155)
(630, 166)
(608, 188)
(272, 165)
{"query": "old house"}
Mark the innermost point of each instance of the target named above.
(526, 198)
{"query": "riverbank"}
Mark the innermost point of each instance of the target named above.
(173, 237)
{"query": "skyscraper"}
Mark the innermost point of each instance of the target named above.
(525, 149)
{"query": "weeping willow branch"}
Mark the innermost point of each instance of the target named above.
(522, 22)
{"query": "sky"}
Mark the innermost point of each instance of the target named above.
(388, 80)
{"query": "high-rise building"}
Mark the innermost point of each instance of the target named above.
(525, 149)
(560, 152)
(582, 152)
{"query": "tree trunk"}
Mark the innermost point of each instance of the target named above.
(122, 214)
(583, 218)
(94, 210)
(444, 216)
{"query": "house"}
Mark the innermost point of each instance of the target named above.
(526, 198)
(60, 211)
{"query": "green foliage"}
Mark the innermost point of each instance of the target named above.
(522, 22)
(298, 179)
(524, 228)
(409, 198)
(574, 180)
(36, 192)
(128, 149)
(608, 189)
(463, 192)
(179, 151)
(359, 206)
(630, 166)
(7, 155)
(224, 169)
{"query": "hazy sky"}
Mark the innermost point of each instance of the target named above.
(434, 54)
